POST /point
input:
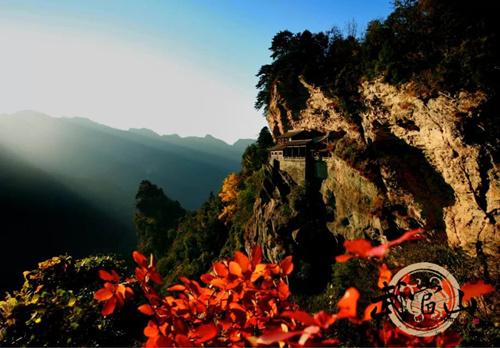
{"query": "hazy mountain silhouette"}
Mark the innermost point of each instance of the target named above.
(69, 184)
(41, 218)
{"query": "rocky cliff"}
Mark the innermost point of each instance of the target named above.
(289, 219)
(402, 162)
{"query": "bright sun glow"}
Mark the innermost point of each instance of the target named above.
(117, 85)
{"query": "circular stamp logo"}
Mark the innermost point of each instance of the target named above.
(425, 299)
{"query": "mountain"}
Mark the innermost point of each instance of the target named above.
(411, 133)
(41, 218)
(68, 185)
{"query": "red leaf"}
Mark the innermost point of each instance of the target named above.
(308, 332)
(331, 342)
(276, 335)
(106, 276)
(408, 235)
(385, 275)
(235, 269)
(205, 332)
(256, 255)
(218, 282)
(343, 258)
(359, 247)
(348, 304)
(475, 289)
(140, 259)
(158, 341)
(386, 333)
(243, 261)
(115, 276)
(140, 274)
(151, 330)
(286, 266)
(109, 306)
(379, 251)
(207, 278)
(224, 325)
(324, 319)
(155, 276)
(369, 309)
(183, 341)
(111, 287)
(283, 291)
(146, 309)
(120, 291)
(103, 295)
(258, 272)
(178, 287)
(274, 268)
(300, 316)
(128, 293)
(221, 269)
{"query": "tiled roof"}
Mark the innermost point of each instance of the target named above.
(277, 147)
(297, 142)
(290, 134)
(290, 144)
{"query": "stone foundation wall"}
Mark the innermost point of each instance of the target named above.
(295, 167)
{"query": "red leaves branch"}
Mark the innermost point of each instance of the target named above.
(243, 301)
(361, 248)
(113, 293)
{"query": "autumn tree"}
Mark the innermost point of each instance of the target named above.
(229, 195)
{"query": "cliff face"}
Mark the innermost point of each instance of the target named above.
(291, 220)
(405, 162)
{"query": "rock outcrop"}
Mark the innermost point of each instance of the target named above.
(289, 219)
(406, 162)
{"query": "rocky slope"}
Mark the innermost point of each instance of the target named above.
(291, 220)
(405, 162)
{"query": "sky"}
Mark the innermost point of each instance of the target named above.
(173, 66)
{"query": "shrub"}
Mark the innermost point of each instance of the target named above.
(247, 302)
(55, 307)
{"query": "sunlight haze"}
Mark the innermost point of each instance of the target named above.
(185, 67)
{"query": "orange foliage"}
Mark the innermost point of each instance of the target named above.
(361, 248)
(243, 301)
(113, 293)
(475, 289)
(229, 194)
(384, 276)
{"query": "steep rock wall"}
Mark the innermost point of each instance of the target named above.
(407, 162)
(289, 219)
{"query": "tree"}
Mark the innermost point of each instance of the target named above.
(229, 194)
(265, 139)
(256, 154)
(156, 219)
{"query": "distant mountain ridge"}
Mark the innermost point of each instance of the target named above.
(74, 180)
(81, 148)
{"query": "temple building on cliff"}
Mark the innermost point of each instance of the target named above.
(300, 154)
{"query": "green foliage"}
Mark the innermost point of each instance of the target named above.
(321, 59)
(156, 219)
(55, 307)
(463, 267)
(265, 139)
(249, 188)
(436, 45)
(198, 241)
(256, 154)
(354, 273)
